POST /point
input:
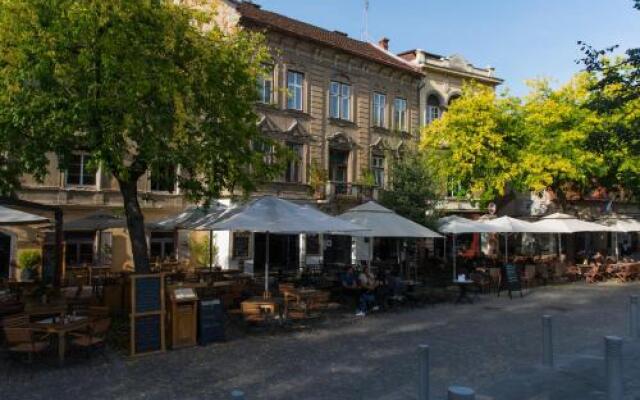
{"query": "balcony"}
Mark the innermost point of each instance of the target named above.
(352, 191)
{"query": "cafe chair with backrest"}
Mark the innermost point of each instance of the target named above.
(94, 338)
(22, 340)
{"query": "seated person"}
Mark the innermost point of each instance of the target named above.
(348, 279)
(366, 279)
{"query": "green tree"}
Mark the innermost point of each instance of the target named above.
(140, 85)
(412, 191)
(557, 127)
(474, 146)
(615, 96)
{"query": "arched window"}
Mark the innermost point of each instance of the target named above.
(434, 110)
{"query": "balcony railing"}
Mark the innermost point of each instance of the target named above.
(351, 190)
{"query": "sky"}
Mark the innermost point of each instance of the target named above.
(522, 39)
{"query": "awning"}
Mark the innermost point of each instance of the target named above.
(95, 222)
(10, 216)
(383, 222)
(189, 218)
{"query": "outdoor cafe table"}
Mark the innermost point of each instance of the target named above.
(464, 286)
(60, 328)
(303, 296)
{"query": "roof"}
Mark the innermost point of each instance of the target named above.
(10, 216)
(253, 14)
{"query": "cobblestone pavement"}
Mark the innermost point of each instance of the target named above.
(493, 346)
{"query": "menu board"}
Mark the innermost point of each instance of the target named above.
(512, 279)
(147, 314)
(148, 297)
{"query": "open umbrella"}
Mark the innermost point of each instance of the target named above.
(564, 223)
(271, 214)
(455, 225)
(10, 216)
(509, 225)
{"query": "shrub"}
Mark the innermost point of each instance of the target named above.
(29, 259)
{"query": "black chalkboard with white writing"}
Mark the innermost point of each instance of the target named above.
(512, 279)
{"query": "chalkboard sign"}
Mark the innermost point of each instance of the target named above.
(148, 334)
(512, 279)
(148, 296)
(147, 314)
(210, 321)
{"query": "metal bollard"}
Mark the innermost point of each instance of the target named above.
(547, 341)
(634, 317)
(237, 395)
(423, 390)
(613, 359)
(460, 393)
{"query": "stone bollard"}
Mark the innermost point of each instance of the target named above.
(634, 317)
(237, 395)
(423, 389)
(460, 393)
(613, 359)
(547, 341)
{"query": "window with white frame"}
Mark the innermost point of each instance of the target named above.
(377, 166)
(162, 245)
(163, 179)
(400, 114)
(379, 108)
(434, 110)
(265, 85)
(295, 90)
(340, 100)
(78, 172)
(293, 171)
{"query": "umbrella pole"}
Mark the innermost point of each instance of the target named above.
(266, 267)
(560, 247)
(617, 248)
(506, 248)
(210, 250)
(454, 257)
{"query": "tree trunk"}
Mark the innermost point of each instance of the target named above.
(135, 225)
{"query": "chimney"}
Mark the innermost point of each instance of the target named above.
(384, 43)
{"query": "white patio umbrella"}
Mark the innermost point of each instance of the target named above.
(564, 223)
(382, 222)
(621, 223)
(271, 214)
(10, 216)
(508, 225)
(455, 225)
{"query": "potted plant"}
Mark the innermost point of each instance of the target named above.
(28, 263)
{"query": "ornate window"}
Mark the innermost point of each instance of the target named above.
(400, 114)
(295, 88)
(340, 100)
(265, 85)
(434, 110)
(379, 108)
(293, 171)
(377, 167)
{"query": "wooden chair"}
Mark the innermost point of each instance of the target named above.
(94, 337)
(495, 276)
(21, 340)
(627, 273)
(593, 275)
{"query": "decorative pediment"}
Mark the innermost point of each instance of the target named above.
(380, 145)
(340, 140)
(266, 125)
(297, 130)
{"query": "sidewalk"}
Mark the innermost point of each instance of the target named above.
(577, 377)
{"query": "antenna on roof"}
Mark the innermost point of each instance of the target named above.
(365, 22)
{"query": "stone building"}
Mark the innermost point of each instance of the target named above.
(345, 107)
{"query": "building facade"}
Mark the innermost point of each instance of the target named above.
(344, 108)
